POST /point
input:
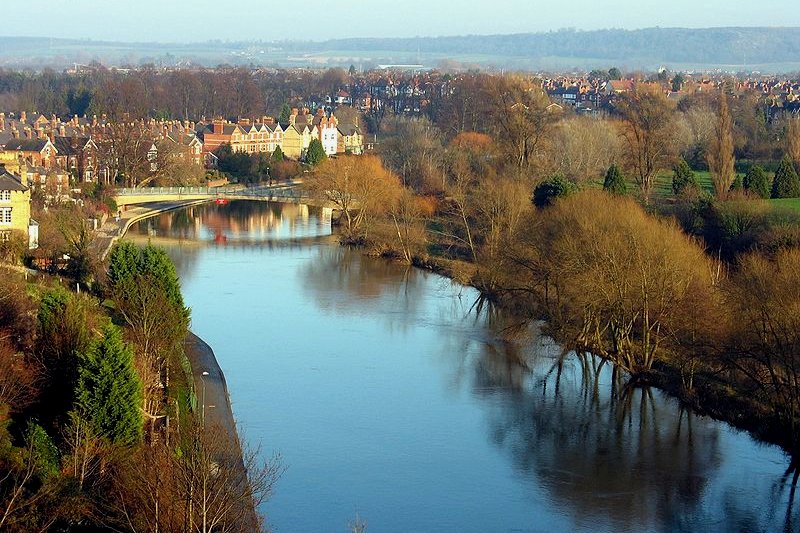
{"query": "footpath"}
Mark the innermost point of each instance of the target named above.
(115, 227)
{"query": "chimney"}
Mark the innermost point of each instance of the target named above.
(218, 126)
(40, 133)
(2, 121)
(28, 133)
(62, 131)
(269, 120)
(23, 116)
(52, 135)
(15, 133)
(94, 121)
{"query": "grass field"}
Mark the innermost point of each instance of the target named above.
(792, 203)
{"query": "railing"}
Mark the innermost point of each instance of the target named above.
(276, 191)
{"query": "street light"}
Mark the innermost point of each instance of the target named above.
(203, 408)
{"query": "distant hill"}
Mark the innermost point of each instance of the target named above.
(768, 49)
(712, 46)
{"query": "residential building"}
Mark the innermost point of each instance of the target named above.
(15, 209)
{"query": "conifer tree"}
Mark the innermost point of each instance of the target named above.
(756, 182)
(786, 183)
(286, 111)
(615, 181)
(109, 391)
(316, 153)
(277, 155)
(682, 177)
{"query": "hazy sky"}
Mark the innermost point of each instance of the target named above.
(201, 20)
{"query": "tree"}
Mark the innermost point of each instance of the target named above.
(277, 155)
(109, 392)
(614, 74)
(614, 181)
(793, 141)
(316, 153)
(765, 297)
(720, 151)
(682, 177)
(786, 184)
(677, 82)
(587, 147)
(285, 113)
(647, 125)
(757, 182)
(548, 191)
(523, 124)
(359, 186)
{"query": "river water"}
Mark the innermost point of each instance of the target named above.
(392, 400)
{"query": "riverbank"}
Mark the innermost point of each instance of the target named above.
(710, 395)
(211, 389)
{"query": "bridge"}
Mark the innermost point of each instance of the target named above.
(284, 193)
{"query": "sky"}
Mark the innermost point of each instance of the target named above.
(203, 20)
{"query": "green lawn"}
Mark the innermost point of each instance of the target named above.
(792, 203)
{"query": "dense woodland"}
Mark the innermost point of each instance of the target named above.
(654, 237)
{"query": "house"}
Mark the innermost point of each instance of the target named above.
(37, 152)
(15, 209)
(350, 140)
(328, 131)
(79, 155)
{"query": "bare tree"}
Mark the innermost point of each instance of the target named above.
(647, 129)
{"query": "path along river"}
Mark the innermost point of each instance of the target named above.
(391, 400)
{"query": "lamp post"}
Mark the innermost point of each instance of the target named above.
(203, 408)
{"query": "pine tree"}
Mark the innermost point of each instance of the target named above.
(109, 391)
(786, 183)
(286, 111)
(756, 182)
(277, 155)
(682, 177)
(720, 151)
(615, 181)
(316, 153)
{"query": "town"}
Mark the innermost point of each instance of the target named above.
(572, 242)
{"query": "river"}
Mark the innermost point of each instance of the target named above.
(391, 399)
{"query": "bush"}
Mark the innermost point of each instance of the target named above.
(549, 190)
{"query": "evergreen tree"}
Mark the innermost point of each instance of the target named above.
(615, 181)
(316, 153)
(277, 155)
(549, 190)
(786, 183)
(123, 262)
(286, 111)
(109, 392)
(738, 183)
(682, 177)
(756, 182)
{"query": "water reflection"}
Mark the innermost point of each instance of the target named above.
(605, 451)
(239, 222)
(382, 384)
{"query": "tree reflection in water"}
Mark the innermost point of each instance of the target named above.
(626, 457)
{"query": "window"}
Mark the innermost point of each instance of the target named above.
(5, 215)
(5, 196)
